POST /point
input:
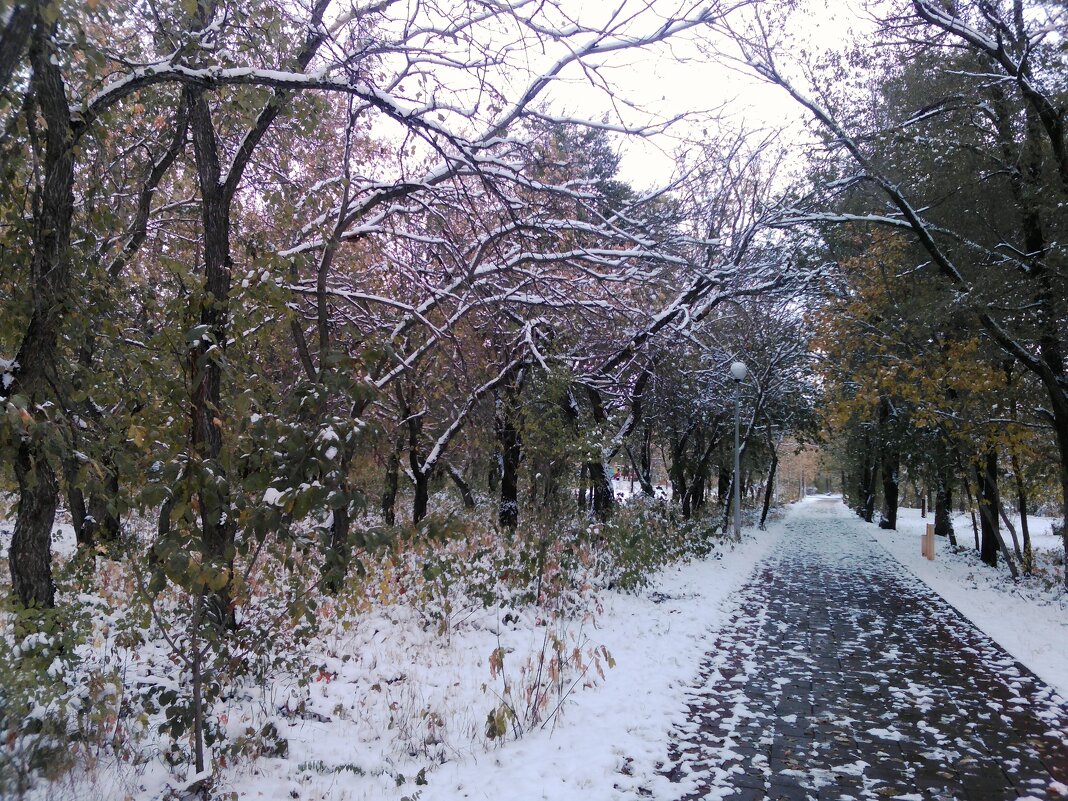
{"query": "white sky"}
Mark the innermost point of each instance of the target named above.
(670, 80)
(647, 85)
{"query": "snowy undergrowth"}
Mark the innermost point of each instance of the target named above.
(1028, 618)
(456, 646)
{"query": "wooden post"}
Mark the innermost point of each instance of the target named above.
(927, 547)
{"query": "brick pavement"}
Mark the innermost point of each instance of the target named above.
(842, 676)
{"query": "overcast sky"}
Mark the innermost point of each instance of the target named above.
(678, 79)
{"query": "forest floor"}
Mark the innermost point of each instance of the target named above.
(400, 702)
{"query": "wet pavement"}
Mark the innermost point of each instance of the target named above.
(842, 676)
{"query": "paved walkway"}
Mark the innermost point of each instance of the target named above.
(842, 676)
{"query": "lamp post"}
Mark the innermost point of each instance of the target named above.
(738, 373)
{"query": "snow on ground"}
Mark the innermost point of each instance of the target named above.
(398, 707)
(1028, 619)
(658, 640)
(624, 489)
(601, 745)
(64, 543)
(397, 702)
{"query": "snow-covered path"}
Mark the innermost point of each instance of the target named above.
(841, 675)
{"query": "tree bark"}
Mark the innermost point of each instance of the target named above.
(677, 472)
(1012, 532)
(987, 497)
(944, 504)
(889, 463)
(421, 498)
(768, 489)
(890, 495)
(697, 492)
(102, 521)
(208, 355)
(1028, 559)
(208, 351)
(389, 490)
(462, 485)
(869, 471)
(38, 357)
(1060, 423)
(14, 38)
(31, 545)
(643, 465)
(603, 499)
(76, 505)
(646, 472)
(338, 551)
(971, 504)
(509, 442)
(678, 483)
(694, 498)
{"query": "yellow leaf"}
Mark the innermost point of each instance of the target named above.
(137, 434)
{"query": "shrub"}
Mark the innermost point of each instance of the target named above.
(40, 697)
(644, 536)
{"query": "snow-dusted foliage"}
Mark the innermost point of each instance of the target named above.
(454, 639)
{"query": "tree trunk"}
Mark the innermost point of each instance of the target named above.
(208, 355)
(493, 473)
(509, 442)
(677, 470)
(103, 519)
(76, 504)
(339, 550)
(971, 505)
(890, 496)
(695, 495)
(643, 465)
(389, 490)
(943, 504)
(552, 476)
(646, 472)
(644, 478)
(1060, 423)
(462, 485)
(889, 459)
(697, 492)
(769, 488)
(422, 496)
(31, 545)
(603, 499)
(1028, 558)
(1012, 532)
(678, 482)
(987, 481)
(868, 473)
(38, 357)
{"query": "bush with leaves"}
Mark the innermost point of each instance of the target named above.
(646, 535)
(42, 696)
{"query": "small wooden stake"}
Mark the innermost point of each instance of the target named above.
(927, 547)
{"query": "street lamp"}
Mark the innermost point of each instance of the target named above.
(738, 373)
